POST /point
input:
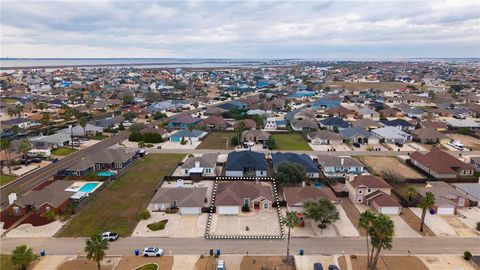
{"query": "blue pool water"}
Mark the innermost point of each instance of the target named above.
(317, 185)
(87, 188)
(105, 174)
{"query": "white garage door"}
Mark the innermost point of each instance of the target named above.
(445, 211)
(190, 210)
(228, 210)
(390, 210)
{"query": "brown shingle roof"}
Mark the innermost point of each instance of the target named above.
(233, 192)
(440, 161)
(369, 181)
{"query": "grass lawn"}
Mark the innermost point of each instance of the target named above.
(117, 207)
(5, 179)
(63, 151)
(5, 263)
(99, 137)
(217, 140)
(292, 142)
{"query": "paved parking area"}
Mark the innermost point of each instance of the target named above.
(435, 223)
(445, 262)
(263, 222)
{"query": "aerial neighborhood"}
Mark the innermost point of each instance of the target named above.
(300, 150)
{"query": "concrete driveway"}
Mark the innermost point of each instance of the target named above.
(306, 262)
(401, 228)
(435, 223)
(470, 216)
(259, 223)
(446, 262)
(460, 228)
(181, 262)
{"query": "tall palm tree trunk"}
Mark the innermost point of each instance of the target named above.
(98, 264)
(424, 212)
(368, 249)
(288, 245)
(375, 259)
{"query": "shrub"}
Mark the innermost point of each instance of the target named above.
(171, 210)
(152, 137)
(159, 115)
(135, 137)
(149, 145)
(157, 226)
(49, 215)
(467, 255)
(145, 214)
(183, 141)
(245, 208)
(478, 226)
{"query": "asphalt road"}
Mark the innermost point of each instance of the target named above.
(29, 181)
(326, 245)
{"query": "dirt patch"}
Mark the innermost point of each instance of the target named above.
(414, 222)
(131, 262)
(265, 263)
(342, 262)
(390, 262)
(206, 263)
(469, 141)
(84, 264)
(389, 164)
(352, 213)
(460, 228)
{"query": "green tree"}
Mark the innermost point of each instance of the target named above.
(96, 248)
(410, 192)
(24, 147)
(381, 235)
(271, 143)
(291, 220)
(45, 121)
(5, 145)
(22, 256)
(427, 202)
(365, 222)
(135, 136)
(141, 144)
(322, 211)
(127, 99)
(129, 116)
(290, 173)
(83, 123)
(121, 127)
(235, 140)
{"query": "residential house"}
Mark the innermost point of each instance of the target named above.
(79, 131)
(297, 196)
(359, 135)
(374, 191)
(102, 160)
(200, 166)
(341, 111)
(447, 198)
(463, 123)
(367, 113)
(472, 190)
(50, 141)
(475, 161)
(302, 159)
(194, 135)
(401, 123)
(414, 113)
(20, 122)
(213, 122)
(391, 112)
(437, 125)
(429, 135)
(335, 165)
(255, 135)
(232, 196)
(246, 163)
(326, 137)
(392, 134)
(440, 164)
(334, 123)
(53, 197)
(327, 102)
(183, 120)
(246, 123)
(367, 124)
(188, 200)
(304, 124)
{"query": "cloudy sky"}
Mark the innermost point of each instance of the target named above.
(247, 29)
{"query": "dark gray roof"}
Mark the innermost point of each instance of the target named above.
(54, 194)
(302, 159)
(206, 161)
(185, 197)
(353, 132)
(237, 161)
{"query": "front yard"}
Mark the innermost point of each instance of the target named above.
(63, 151)
(381, 165)
(117, 207)
(293, 142)
(258, 223)
(217, 140)
(5, 179)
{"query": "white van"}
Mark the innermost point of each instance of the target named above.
(457, 145)
(39, 153)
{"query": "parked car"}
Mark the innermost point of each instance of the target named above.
(333, 267)
(399, 144)
(317, 266)
(221, 265)
(55, 160)
(152, 252)
(357, 145)
(36, 160)
(110, 236)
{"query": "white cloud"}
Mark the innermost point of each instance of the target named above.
(266, 29)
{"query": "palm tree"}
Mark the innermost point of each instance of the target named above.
(96, 248)
(83, 123)
(410, 192)
(24, 147)
(365, 222)
(22, 256)
(45, 121)
(427, 202)
(381, 234)
(5, 145)
(291, 220)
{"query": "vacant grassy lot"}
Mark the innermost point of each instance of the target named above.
(5, 263)
(217, 140)
(63, 151)
(379, 165)
(5, 179)
(365, 85)
(116, 208)
(292, 142)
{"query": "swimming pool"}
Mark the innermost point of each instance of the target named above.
(105, 173)
(88, 187)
